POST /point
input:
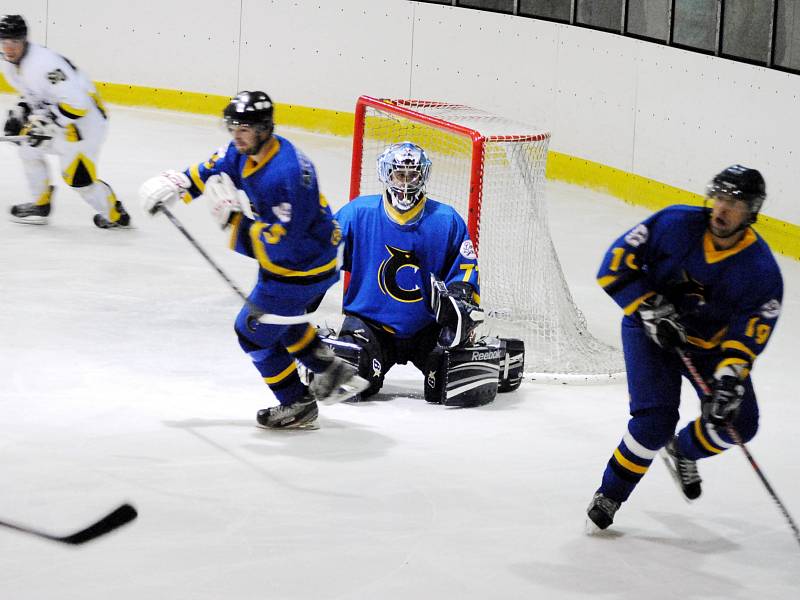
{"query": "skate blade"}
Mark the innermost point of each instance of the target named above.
(354, 386)
(32, 220)
(674, 474)
(309, 426)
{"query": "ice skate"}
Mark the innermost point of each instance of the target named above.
(337, 383)
(30, 213)
(301, 414)
(683, 470)
(123, 221)
(600, 513)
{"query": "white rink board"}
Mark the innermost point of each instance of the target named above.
(189, 45)
(663, 113)
(326, 54)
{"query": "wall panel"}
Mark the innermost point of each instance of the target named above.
(326, 54)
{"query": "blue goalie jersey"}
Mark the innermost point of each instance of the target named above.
(390, 260)
(293, 235)
(729, 300)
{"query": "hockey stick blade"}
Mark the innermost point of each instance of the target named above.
(113, 520)
(23, 138)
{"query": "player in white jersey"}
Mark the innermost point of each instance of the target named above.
(61, 113)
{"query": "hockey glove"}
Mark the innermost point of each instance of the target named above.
(455, 311)
(163, 190)
(16, 119)
(727, 392)
(661, 323)
(223, 198)
(41, 130)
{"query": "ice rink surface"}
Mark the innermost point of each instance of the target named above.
(121, 379)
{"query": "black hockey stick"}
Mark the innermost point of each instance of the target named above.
(113, 520)
(698, 379)
(262, 317)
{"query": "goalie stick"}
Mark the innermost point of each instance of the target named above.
(262, 317)
(698, 379)
(116, 518)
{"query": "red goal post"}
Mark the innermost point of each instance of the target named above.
(491, 169)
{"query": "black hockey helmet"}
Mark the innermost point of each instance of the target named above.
(13, 27)
(740, 183)
(250, 108)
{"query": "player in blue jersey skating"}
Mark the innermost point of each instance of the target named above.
(414, 285)
(284, 223)
(702, 281)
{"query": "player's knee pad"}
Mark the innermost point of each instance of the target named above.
(464, 376)
(512, 364)
(654, 427)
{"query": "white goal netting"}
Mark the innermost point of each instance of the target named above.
(492, 170)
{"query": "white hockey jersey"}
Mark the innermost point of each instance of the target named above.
(49, 83)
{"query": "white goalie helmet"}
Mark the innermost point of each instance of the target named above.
(404, 168)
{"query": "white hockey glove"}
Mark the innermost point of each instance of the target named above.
(163, 190)
(224, 199)
(41, 130)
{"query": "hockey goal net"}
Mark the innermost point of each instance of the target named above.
(492, 170)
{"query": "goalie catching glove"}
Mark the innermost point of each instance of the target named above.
(163, 190)
(455, 311)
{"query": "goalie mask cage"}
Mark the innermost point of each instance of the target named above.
(491, 170)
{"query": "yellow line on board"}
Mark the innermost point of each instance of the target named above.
(634, 189)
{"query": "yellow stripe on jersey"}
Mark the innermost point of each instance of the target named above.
(268, 265)
(698, 431)
(714, 256)
(631, 466)
(633, 306)
(72, 112)
(735, 361)
(236, 221)
(194, 173)
(607, 280)
(282, 375)
(734, 345)
(403, 217)
(251, 166)
(303, 342)
(710, 343)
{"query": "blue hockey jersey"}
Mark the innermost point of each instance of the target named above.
(391, 259)
(729, 300)
(293, 236)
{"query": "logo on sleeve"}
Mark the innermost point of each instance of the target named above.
(56, 76)
(467, 250)
(283, 211)
(771, 309)
(637, 236)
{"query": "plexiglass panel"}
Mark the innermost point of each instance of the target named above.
(649, 18)
(696, 24)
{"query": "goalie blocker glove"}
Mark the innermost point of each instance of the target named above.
(455, 311)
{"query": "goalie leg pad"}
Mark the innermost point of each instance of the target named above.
(511, 364)
(466, 376)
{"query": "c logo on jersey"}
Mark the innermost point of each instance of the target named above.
(397, 273)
